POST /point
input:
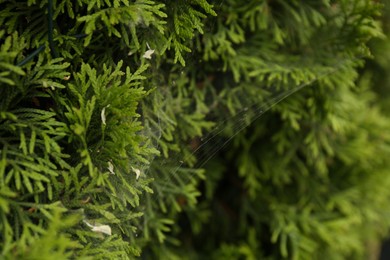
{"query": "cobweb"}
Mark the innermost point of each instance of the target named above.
(227, 125)
(224, 131)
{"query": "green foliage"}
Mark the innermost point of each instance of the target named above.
(49, 241)
(110, 110)
(306, 175)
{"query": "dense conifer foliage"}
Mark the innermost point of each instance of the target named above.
(194, 129)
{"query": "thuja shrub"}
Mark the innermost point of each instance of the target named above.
(110, 110)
